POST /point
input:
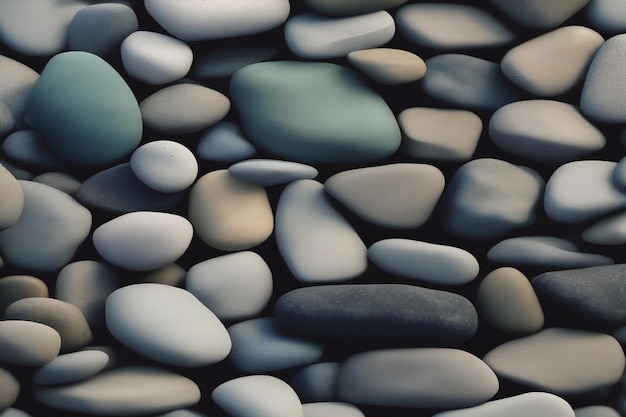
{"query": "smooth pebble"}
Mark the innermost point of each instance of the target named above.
(30, 147)
(27, 343)
(338, 409)
(351, 7)
(606, 16)
(225, 142)
(16, 83)
(268, 172)
(536, 404)
(539, 14)
(16, 287)
(72, 367)
(164, 165)
(608, 231)
(10, 389)
(12, 201)
(59, 180)
(317, 382)
(596, 411)
(388, 66)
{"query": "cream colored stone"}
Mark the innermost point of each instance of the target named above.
(389, 66)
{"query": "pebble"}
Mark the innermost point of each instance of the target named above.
(155, 58)
(412, 377)
(351, 7)
(30, 147)
(166, 324)
(561, 361)
(317, 382)
(619, 174)
(14, 412)
(389, 314)
(183, 108)
(490, 197)
(257, 395)
(582, 190)
(164, 165)
(16, 287)
(544, 131)
(338, 409)
(400, 196)
(313, 93)
(225, 142)
(143, 240)
(59, 180)
(597, 301)
(171, 274)
(260, 347)
(538, 14)
(10, 389)
(268, 172)
(236, 286)
(199, 20)
(16, 83)
(423, 261)
(26, 343)
(537, 404)
(314, 36)
(388, 66)
(101, 28)
(596, 411)
(129, 390)
(606, 16)
(221, 62)
(49, 231)
(18, 172)
(507, 301)
(451, 27)
(12, 201)
(553, 63)
(600, 100)
(230, 214)
(608, 231)
(72, 367)
(316, 242)
(440, 134)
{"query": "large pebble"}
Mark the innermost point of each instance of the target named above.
(338, 409)
(388, 65)
(413, 377)
(49, 231)
(351, 7)
(125, 391)
(27, 343)
(606, 15)
(268, 172)
(608, 231)
(314, 36)
(315, 241)
(230, 214)
(561, 361)
(16, 83)
(225, 142)
(317, 382)
(424, 261)
(536, 404)
(16, 287)
(390, 314)
(333, 115)
(539, 14)
(72, 367)
(10, 389)
(30, 147)
(12, 200)
(164, 165)
(396, 195)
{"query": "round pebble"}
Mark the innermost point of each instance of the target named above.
(164, 165)
(27, 343)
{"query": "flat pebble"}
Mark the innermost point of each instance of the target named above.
(552, 63)
(451, 26)
(16, 83)
(259, 347)
(413, 377)
(538, 14)
(59, 180)
(131, 390)
(225, 61)
(561, 361)
(72, 367)
(401, 195)
(49, 231)
(608, 231)
(183, 108)
(314, 36)
(440, 134)
(16, 287)
(225, 142)
(606, 16)
(423, 261)
(234, 287)
(12, 201)
(351, 7)
(166, 324)
(388, 65)
(230, 214)
(30, 147)
(317, 382)
(143, 240)
(268, 172)
(315, 241)
(338, 409)
(27, 343)
(164, 165)
(10, 389)
(544, 131)
(537, 404)
(596, 411)
(388, 314)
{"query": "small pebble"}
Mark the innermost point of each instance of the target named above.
(30, 147)
(59, 180)
(268, 172)
(164, 165)
(17, 287)
(225, 142)
(16, 83)
(26, 343)
(388, 66)
(317, 382)
(72, 367)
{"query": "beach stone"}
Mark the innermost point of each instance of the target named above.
(30, 147)
(268, 172)
(16, 287)
(539, 14)
(16, 83)
(183, 108)
(155, 58)
(582, 190)
(543, 251)
(423, 261)
(164, 165)
(171, 274)
(552, 63)
(166, 324)
(351, 7)
(230, 214)
(129, 390)
(27, 343)
(538, 404)
(118, 190)
(234, 287)
(600, 99)
(314, 36)
(596, 411)
(447, 80)
(388, 66)
(316, 242)
(49, 231)
(10, 389)
(199, 20)
(59, 180)
(401, 195)
(413, 377)
(338, 409)
(606, 15)
(451, 26)
(7, 122)
(490, 197)
(313, 94)
(440, 134)
(72, 367)
(225, 142)
(143, 240)
(560, 361)
(101, 28)
(257, 396)
(507, 301)
(608, 231)
(63, 317)
(317, 382)
(381, 313)
(589, 295)
(259, 347)
(224, 61)
(12, 200)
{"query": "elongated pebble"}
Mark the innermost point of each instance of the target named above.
(596, 411)
(388, 66)
(59, 180)
(608, 231)
(72, 367)
(27, 343)
(268, 172)
(538, 404)
(10, 389)
(538, 14)
(29, 147)
(351, 7)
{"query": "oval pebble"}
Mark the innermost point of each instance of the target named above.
(225, 142)
(30, 147)
(317, 382)
(537, 404)
(27, 343)
(12, 201)
(351, 7)
(388, 65)
(16, 287)
(164, 165)
(72, 367)
(608, 231)
(538, 14)
(268, 172)
(59, 180)
(10, 389)
(338, 409)
(16, 83)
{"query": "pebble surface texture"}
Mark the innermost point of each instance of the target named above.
(312, 208)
